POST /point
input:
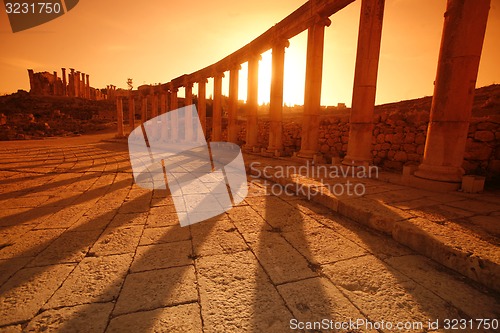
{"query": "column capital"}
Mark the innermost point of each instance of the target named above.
(235, 66)
(322, 21)
(281, 43)
(255, 56)
(217, 74)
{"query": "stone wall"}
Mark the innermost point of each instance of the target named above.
(399, 134)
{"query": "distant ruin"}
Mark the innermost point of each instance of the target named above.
(74, 84)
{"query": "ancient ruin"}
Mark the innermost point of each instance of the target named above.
(73, 84)
(363, 137)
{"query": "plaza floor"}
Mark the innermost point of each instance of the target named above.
(83, 249)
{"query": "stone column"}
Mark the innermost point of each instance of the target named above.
(232, 133)
(312, 92)
(87, 90)
(154, 104)
(365, 83)
(252, 102)
(55, 91)
(77, 84)
(163, 102)
(174, 121)
(202, 104)
(71, 82)
(461, 46)
(64, 82)
(188, 116)
(144, 108)
(217, 108)
(131, 111)
(82, 87)
(119, 117)
(276, 102)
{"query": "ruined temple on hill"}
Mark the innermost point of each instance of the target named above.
(74, 84)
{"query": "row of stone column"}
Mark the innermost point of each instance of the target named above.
(77, 84)
(463, 34)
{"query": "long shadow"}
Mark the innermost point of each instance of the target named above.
(148, 317)
(53, 207)
(387, 254)
(283, 218)
(36, 250)
(50, 185)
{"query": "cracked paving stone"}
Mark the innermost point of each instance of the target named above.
(216, 236)
(164, 235)
(117, 241)
(122, 220)
(67, 248)
(159, 288)
(86, 318)
(237, 296)
(310, 243)
(22, 296)
(181, 318)
(316, 299)
(93, 280)
(280, 260)
(162, 256)
(437, 279)
(383, 293)
(33, 242)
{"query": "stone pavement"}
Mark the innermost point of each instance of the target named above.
(458, 230)
(82, 249)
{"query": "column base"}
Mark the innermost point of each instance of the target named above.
(272, 152)
(432, 185)
(354, 161)
(307, 158)
(440, 173)
(250, 149)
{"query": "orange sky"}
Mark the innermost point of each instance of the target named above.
(156, 40)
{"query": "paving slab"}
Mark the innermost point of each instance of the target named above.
(22, 296)
(181, 318)
(103, 255)
(86, 318)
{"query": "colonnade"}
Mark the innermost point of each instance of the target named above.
(463, 34)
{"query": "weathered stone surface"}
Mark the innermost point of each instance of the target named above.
(280, 260)
(93, 280)
(238, 296)
(323, 301)
(160, 256)
(216, 236)
(117, 241)
(121, 220)
(308, 242)
(164, 235)
(33, 243)
(22, 296)
(181, 318)
(153, 289)
(484, 136)
(11, 329)
(162, 216)
(69, 247)
(81, 318)
(446, 284)
(383, 293)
